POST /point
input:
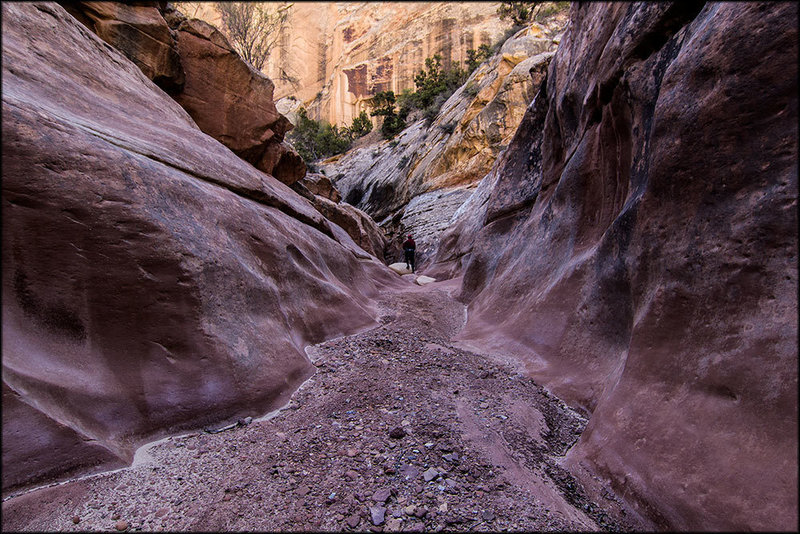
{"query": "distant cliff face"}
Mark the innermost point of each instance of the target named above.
(636, 248)
(335, 55)
(415, 182)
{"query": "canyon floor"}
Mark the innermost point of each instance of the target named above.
(398, 430)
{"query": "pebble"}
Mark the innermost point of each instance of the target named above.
(452, 457)
(76, 519)
(382, 495)
(410, 510)
(353, 520)
(487, 515)
(303, 490)
(430, 474)
(378, 514)
(115, 516)
(351, 474)
(351, 452)
(393, 524)
(397, 433)
(121, 525)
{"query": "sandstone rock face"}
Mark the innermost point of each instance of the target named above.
(226, 97)
(333, 56)
(138, 31)
(152, 280)
(232, 102)
(637, 248)
(327, 200)
(414, 183)
(345, 52)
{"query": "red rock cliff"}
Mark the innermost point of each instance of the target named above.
(636, 246)
(152, 280)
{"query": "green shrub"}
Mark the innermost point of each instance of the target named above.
(315, 139)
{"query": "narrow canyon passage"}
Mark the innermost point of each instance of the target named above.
(397, 430)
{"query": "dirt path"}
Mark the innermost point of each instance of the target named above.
(398, 430)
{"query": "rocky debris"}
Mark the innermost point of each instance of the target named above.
(382, 495)
(353, 520)
(397, 433)
(430, 474)
(402, 371)
(155, 276)
(594, 252)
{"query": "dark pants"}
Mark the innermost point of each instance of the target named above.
(410, 258)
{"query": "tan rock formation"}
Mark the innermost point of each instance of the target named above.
(335, 55)
(227, 98)
(416, 182)
(636, 247)
(232, 102)
(152, 280)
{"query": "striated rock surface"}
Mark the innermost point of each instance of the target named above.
(196, 64)
(232, 102)
(636, 247)
(152, 280)
(138, 31)
(335, 56)
(398, 182)
(326, 199)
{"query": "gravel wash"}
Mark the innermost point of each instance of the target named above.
(396, 431)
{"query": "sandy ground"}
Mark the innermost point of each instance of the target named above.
(398, 430)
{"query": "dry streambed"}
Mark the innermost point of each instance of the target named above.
(398, 430)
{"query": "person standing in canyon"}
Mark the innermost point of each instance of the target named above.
(409, 247)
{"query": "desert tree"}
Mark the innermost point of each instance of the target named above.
(253, 27)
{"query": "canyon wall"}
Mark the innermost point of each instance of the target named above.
(415, 182)
(152, 280)
(332, 56)
(636, 248)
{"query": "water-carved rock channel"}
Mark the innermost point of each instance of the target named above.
(397, 430)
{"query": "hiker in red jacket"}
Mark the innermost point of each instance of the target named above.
(409, 247)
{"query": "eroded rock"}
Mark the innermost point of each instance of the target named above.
(152, 281)
(636, 246)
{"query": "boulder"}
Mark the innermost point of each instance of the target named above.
(138, 31)
(152, 280)
(637, 249)
(355, 222)
(400, 268)
(319, 184)
(232, 102)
